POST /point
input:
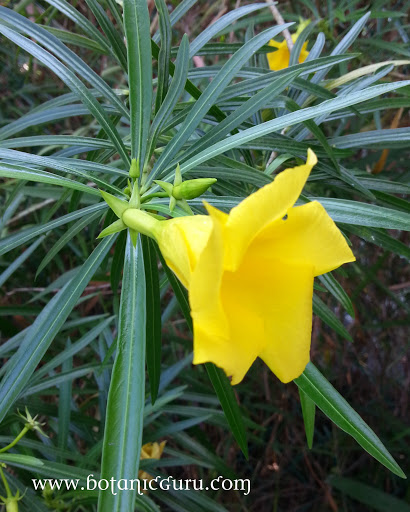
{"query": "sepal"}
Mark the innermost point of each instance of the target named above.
(118, 206)
(115, 227)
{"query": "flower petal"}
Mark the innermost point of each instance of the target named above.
(288, 321)
(263, 309)
(181, 241)
(280, 59)
(307, 237)
(211, 329)
(269, 203)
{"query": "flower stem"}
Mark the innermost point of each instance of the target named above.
(5, 483)
(16, 440)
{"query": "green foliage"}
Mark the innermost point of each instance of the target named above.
(85, 98)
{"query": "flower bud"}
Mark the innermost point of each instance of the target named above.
(192, 188)
(134, 169)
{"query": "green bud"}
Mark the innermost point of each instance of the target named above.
(135, 168)
(192, 188)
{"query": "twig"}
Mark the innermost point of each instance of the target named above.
(280, 21)
(32, 209)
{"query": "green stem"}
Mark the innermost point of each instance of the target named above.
(5, 483)
(16, 440)
(151, 196)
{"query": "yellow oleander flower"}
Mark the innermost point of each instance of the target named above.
(250, 273)
(150, 451)
(280, 58)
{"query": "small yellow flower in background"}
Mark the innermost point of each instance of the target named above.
(250, 273)
(150, 451)
(280, 58)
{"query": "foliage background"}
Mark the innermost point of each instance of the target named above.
(372, 373)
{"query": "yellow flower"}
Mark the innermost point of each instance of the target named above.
(150, 451)
(250, 273)
(280, 58)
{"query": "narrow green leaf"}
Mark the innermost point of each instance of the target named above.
(380, 238)
(65, 54)
(73, 349)
(334, 287)
(245, 111)
(319, 389)
(153, 316)
(117, 43)
(308, 411)
(226, 395)
(227, 19)
(389, 138)
(321, 310)
(42, 332)
(14, 265)
(10, 171)
(176, 15)
(210, 95)
(64, 405)
(70, 79)
(364, 214)
(368, 495)
(175, 90)
(137, 32)
(288, 120)
(25, 235)
(126, 398)
(164, 53)
(61, 242)
(117, 261)
(81, 21)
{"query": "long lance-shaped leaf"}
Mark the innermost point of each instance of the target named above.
(319, 389)
(219, 380)
(175, 90)
(65, 238)
(14, 265)
(164, 53)
(137, 24)
(214, 29)
(74, 84)
(72, 60)
(153, 316)
(341, 47)
(289, 120)
(25, 235)
(245, 111)
(341, 210)
(389, 138)
(308, 412)
(115, 38)
(126, 397)
(81, 21)
(210, 95)
(259, 82)
(42, 332)
(61, 165)
(176, 15)
(9, 171)
(41, 117)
